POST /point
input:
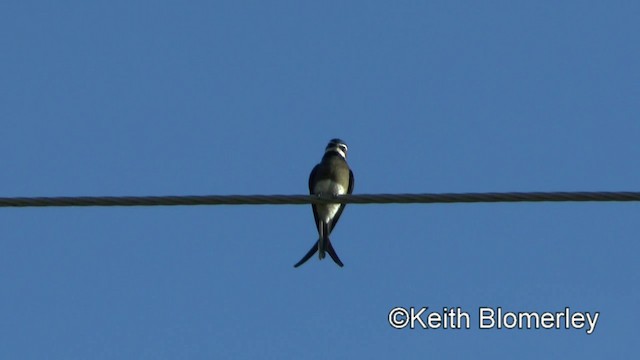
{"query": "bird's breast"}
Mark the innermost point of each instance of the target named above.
(327, 212)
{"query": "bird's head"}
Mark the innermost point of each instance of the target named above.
(337, 145)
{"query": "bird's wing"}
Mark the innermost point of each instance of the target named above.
(311, 178)
(351, 182)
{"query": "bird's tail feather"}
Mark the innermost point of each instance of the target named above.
(333, 254)
(323, 230)
(328, 248)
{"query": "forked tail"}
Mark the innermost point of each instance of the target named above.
(327, 247)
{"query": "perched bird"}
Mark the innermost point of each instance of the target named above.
(331, 176)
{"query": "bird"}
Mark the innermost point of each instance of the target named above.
(332, 176)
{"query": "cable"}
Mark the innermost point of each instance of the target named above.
(308, 199)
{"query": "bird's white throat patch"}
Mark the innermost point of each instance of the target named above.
(327, 212)
(338, 150)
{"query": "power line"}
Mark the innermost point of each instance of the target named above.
(308, 199)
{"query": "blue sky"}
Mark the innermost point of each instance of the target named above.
(241, 97)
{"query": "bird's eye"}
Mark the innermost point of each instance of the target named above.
(343, 148)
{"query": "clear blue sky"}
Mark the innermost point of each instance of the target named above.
(241, 97)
